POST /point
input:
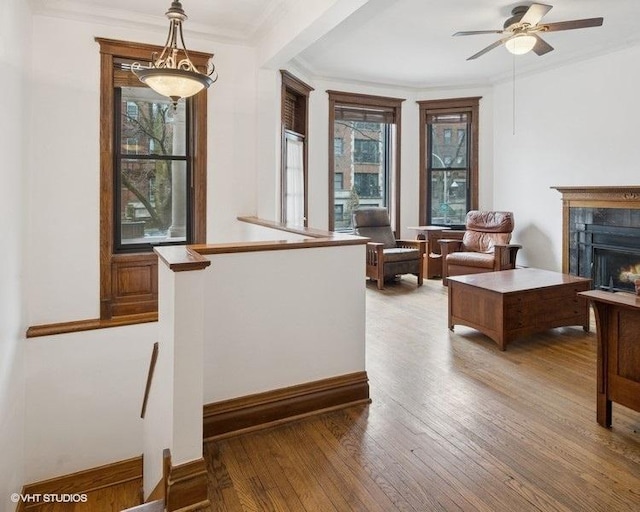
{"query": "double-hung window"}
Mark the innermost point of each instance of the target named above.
(365, 166)
(449, 165)
(152, 178)
(294, 188)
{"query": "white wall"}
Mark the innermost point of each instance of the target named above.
(87, 387)
(14, 50)
(84, 395)
(64, 165)
(574, 126)
(294, 316)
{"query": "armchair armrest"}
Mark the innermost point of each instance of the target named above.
(374, 253)
(505, 256)
(421, 245)
(448, 245)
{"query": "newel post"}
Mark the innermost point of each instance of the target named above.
(173, 418)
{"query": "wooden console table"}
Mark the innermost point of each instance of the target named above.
(618, 328)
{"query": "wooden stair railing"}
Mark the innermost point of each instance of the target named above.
(152, 367)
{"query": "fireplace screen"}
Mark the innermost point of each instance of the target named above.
(615, 269)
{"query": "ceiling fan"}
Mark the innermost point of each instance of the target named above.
(521, 31)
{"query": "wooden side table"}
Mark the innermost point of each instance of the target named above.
(617, 325)
(433, 257)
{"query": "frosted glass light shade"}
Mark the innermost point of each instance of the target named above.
(520, 44)
(174, 83)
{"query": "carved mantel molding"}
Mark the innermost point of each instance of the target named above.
(602, 197)
(617, 196)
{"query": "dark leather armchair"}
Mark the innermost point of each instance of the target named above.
(386, 256)
(484, 246)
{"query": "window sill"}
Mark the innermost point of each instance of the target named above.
(36, 331)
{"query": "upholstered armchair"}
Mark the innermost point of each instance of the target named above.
(484, 246)
(386, 256)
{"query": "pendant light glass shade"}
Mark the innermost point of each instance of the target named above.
(172, 73)
(520, 44)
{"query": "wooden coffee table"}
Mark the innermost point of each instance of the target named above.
(510, 304)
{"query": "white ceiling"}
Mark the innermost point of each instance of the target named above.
(400, 42)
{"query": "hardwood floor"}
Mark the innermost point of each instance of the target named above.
(454, 425)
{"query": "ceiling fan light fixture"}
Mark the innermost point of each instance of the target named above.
(520, 44)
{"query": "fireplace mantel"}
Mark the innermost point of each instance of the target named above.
(601, 197)
(627, 196)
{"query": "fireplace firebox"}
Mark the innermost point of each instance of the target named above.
(608, 251)
(608, 254)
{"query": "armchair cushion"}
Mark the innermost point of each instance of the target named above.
(401, 254)
(484, 230)
(472, 259)
(374, 223)
(381, 234)
(478, 241)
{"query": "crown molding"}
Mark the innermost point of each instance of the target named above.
(79, 11)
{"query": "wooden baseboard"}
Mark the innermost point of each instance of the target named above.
(186, 485)
(85, 481)
(262, 410)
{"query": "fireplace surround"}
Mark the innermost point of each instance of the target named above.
(601, 235)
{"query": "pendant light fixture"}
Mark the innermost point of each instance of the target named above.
(172, 73)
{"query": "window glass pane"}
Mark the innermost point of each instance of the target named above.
(446, 150)
(153, 201)
(294, 181)
(153, 171)
(150, 125)
(448, 197)
(362, 170)
(337, 146)
(367, 151)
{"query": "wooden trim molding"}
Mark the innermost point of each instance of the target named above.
(367, 100)
(186, 485)
(89, 325)
(278, 245)
(314, 238)
(262, 410)
(127, 281)
(182, 258)
(470, 105)
(292, 85)
(86, 481)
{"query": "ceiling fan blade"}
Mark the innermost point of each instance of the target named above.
(488, 49)
(535, 13)
(541, 46)
(474, 32)
(570, 25)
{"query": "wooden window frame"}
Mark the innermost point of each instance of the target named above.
(293, 85)
(128, 281)
(470, 105)
(360, 100)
